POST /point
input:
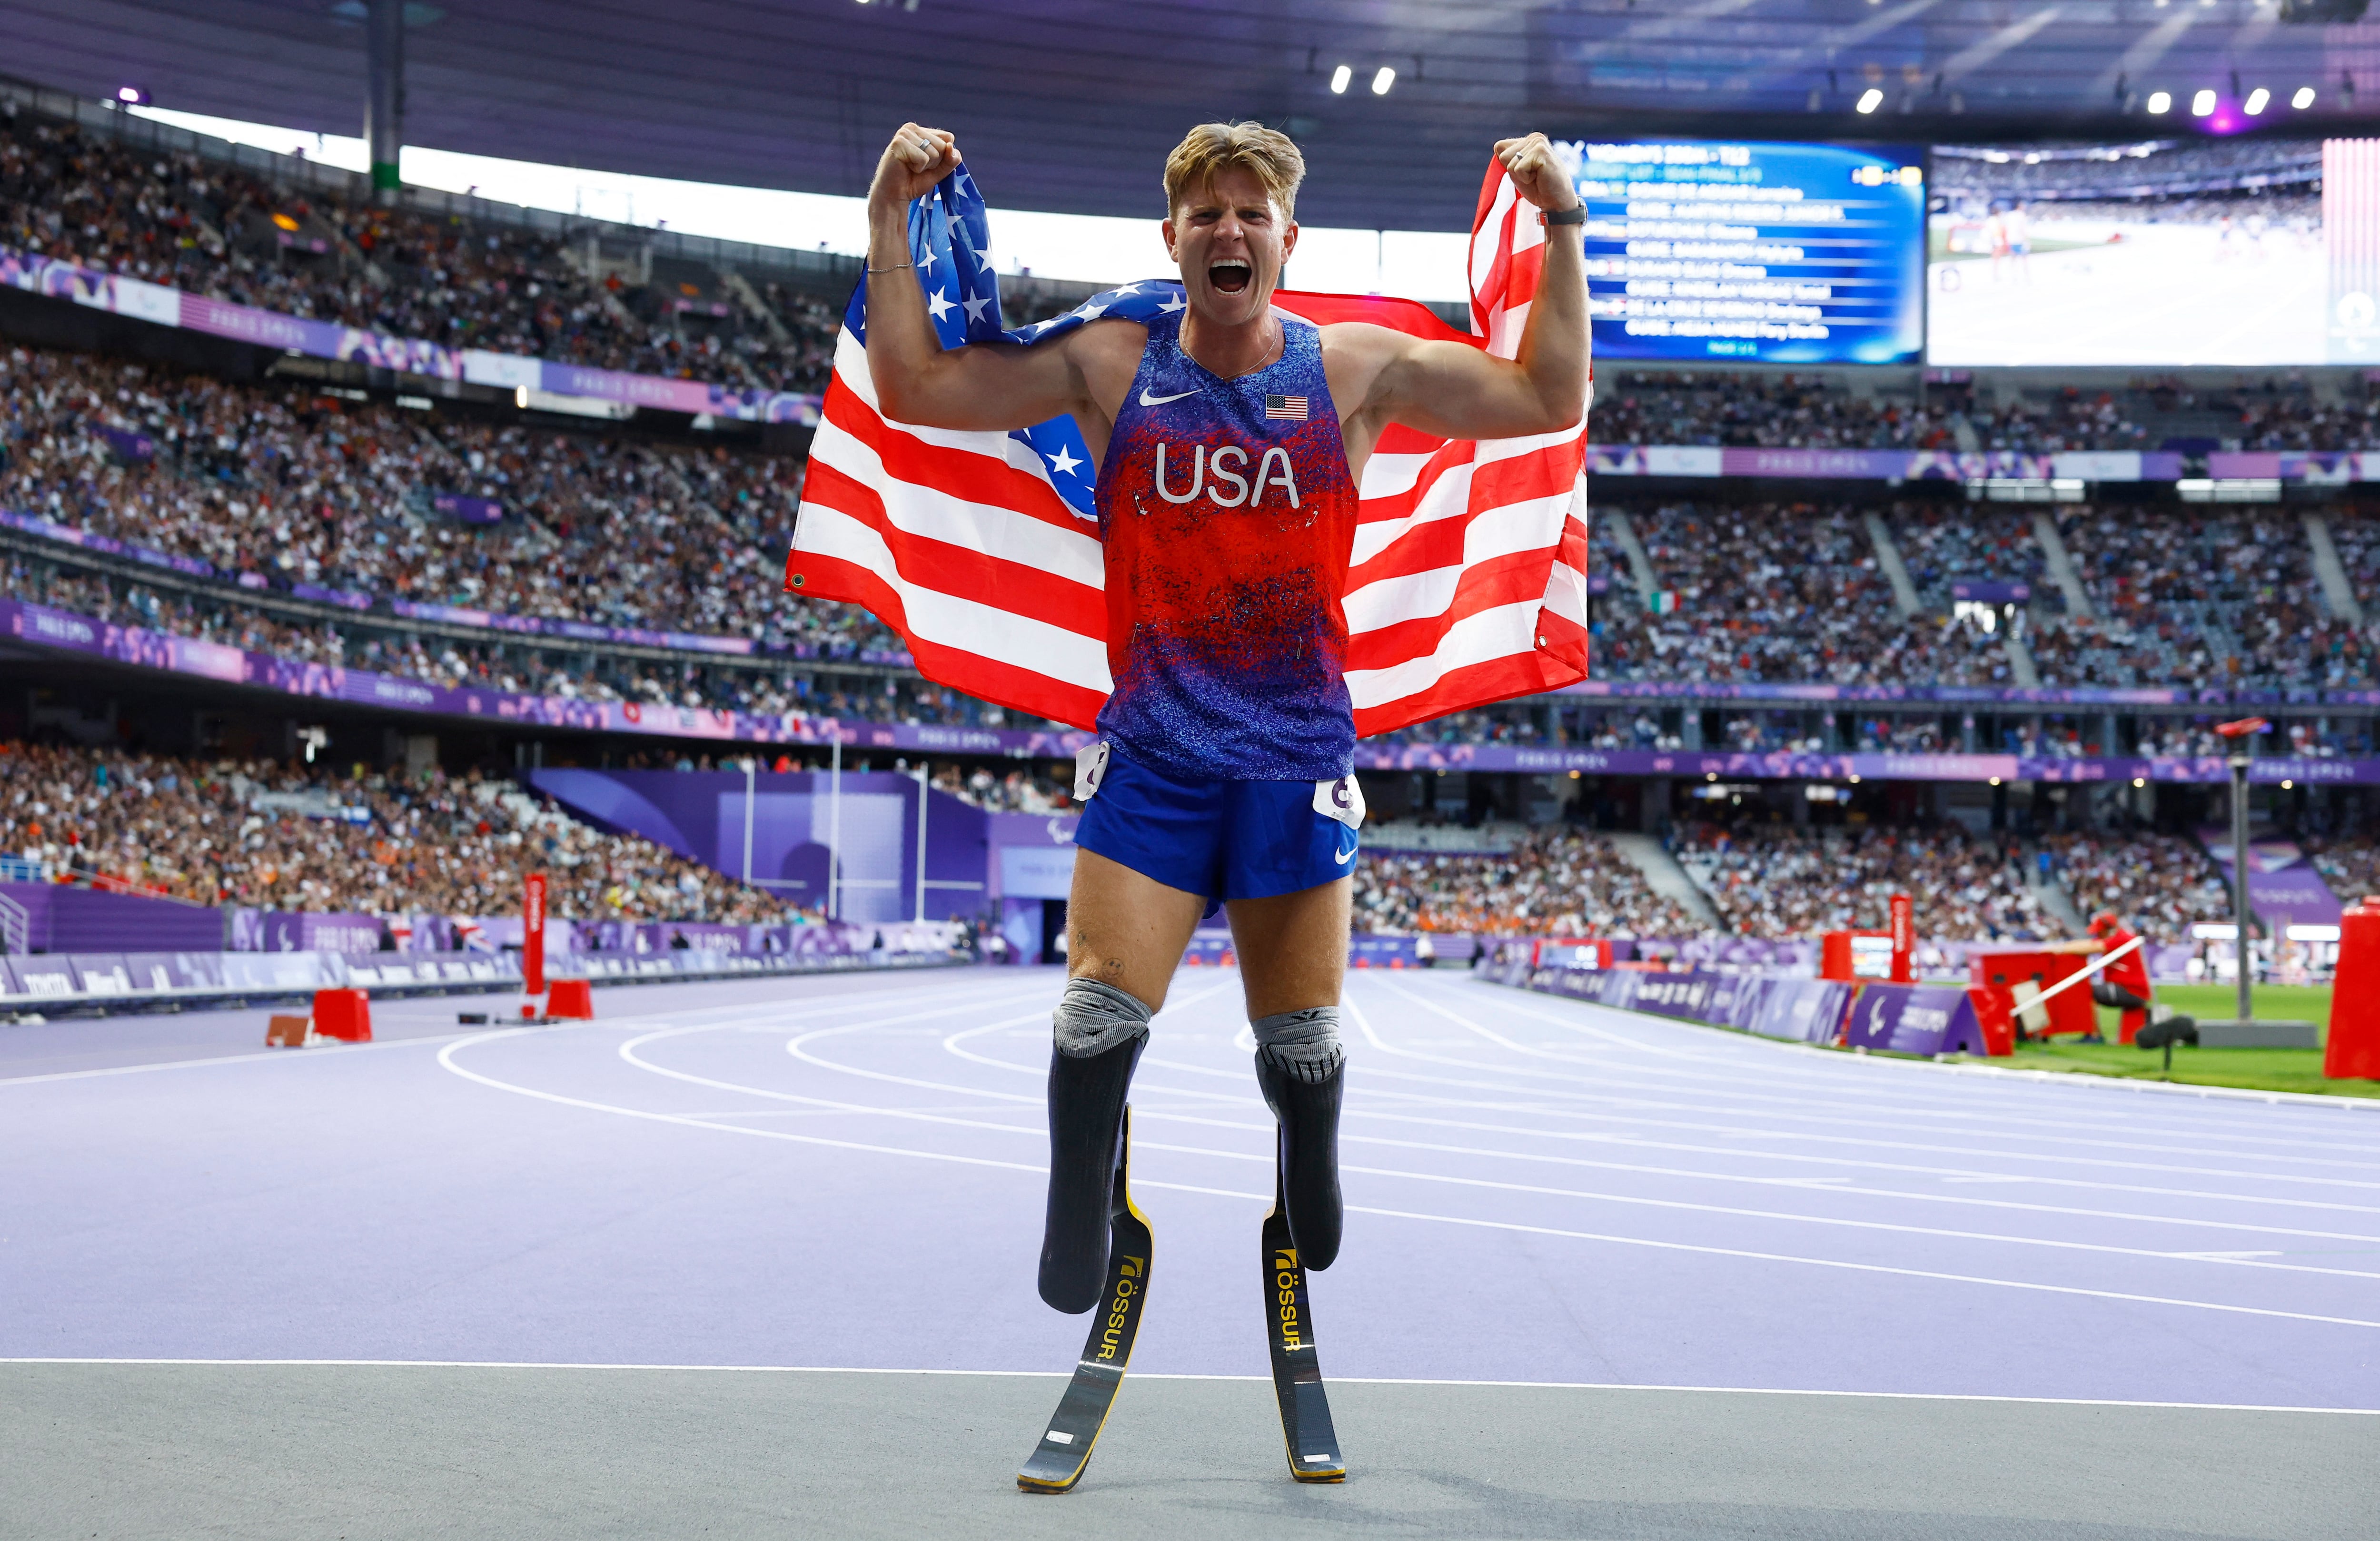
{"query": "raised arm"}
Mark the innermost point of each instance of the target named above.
(919, 381)
(1463, 392)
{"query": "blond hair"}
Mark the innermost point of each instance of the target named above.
(1211, 149)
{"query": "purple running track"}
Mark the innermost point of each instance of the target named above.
(847, 1171)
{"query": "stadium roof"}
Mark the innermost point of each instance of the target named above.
(1070, 104)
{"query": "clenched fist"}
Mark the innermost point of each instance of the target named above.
(1536, 171)
(916, 159)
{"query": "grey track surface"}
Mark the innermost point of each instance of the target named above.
(266, 1452)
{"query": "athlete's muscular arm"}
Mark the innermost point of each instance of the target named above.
(993, 386)
(1461, 392)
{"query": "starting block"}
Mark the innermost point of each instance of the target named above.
(344, 1014)
(291, 1032)
(572, 999)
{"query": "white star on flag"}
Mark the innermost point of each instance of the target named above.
(1173, 302)
(1063, 461)
(940, 305)
(975, 308)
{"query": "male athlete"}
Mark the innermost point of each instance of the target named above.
(1230, 440)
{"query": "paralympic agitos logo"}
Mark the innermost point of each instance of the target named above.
(1127, 1288)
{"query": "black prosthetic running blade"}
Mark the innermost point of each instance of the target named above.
(1058, 1460)
(1306, 1428)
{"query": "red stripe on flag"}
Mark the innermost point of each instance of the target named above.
(987, 679)
(959, 570)
(957, 473)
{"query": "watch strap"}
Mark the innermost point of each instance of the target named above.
(1575, 214)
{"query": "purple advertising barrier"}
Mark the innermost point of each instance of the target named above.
(1370, 952)
(1805, 1011)
(60, 920)
(175, 971)
(1990, 591)
(39, 975)
(99, 974)
(305, 932)
(1913, 1019)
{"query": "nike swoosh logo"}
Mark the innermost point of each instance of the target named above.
(1147, 400)
(1346, 856)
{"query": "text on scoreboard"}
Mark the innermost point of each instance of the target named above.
(1760, 252)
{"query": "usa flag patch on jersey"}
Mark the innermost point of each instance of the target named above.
(1285, 408)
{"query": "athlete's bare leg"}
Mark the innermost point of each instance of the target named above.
(1292, 947)
(1129, 931)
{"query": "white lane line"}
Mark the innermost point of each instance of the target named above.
(1962, 1124)
(97, 1362)
(2160, 1255)
(1617, 1115)
(286, 1056)
(446, 1059)
(1878, 1065)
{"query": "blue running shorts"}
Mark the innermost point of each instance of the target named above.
(1224, 839)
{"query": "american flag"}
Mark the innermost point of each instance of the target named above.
(1467, 582)
(1285, 408)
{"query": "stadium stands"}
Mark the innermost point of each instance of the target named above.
(214, 229)
(259, 834)
(1777, 881)
(1556, 882)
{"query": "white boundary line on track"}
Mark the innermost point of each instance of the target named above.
(445, 1059)
(1163, 1375)
(2039, 1077)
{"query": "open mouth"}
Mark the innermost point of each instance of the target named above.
(1231, 275)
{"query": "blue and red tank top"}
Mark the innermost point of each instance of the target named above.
(1228, 516)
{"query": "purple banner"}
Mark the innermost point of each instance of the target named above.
(2284, 887)
(470, 511)
(165, 307)
(1903, 465)
(347, 598)
(60, 628)
(1786, 766)
(88, 542)
(1983, 591)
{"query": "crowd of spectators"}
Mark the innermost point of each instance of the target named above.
(1787, 593)
(2159, 883)
(1776, 881)
(217, 229)
(266, 835)
(2349, 864)
(1556, 882)
(1746, 410)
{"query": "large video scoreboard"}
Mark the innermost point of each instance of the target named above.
(1755, 252)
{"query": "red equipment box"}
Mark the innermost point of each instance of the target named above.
(571, 998)
(1998, 974)
(344, 1014)
(2354, 1046)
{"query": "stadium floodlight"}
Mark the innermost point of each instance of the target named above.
(2160, 103)
(2203, 105)
(2304, 99)
(1870, 100)
(2257, 101)
(1382, 78)
(1338, 78)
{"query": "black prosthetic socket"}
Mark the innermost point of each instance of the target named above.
(1305, 1098)
(1086, 1096)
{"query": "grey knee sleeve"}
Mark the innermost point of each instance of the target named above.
(1093, 1018)
(1306, 1043)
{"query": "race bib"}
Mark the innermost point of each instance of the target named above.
(1342, 799)
(1090, 768)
